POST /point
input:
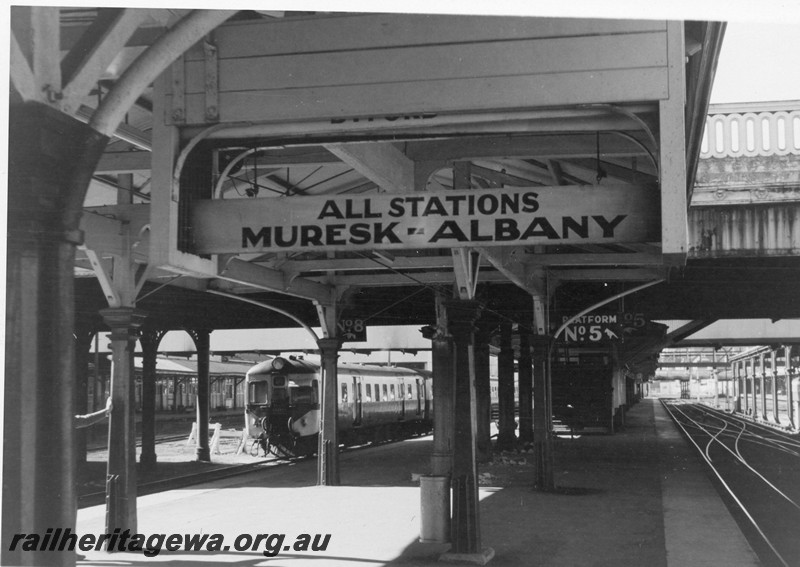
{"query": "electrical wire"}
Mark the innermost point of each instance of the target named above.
(435, 289)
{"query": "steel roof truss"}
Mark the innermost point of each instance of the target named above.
(95, 51)
(381, 163)
(466, 265)
(279, 281)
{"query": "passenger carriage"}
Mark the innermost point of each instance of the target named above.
(375, 403)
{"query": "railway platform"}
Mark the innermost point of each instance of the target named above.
(639, 497)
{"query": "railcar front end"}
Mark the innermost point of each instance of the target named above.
(281, 406)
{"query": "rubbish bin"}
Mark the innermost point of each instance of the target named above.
(435, 509)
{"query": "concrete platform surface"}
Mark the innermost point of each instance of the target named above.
(636, 498)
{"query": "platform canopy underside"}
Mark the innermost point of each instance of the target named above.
(345, 112)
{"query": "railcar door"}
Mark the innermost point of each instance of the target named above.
(401, 395)
(356, 400)
(420, 395)
(428, 390)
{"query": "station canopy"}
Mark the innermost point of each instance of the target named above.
(488, 157)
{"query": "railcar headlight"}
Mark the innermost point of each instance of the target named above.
(278, 363)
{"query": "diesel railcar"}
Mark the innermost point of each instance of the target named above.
(375, 403)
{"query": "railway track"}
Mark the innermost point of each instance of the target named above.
(176, 482)
(97, 448)
(181, 480)
(756, 469)
(172, 483)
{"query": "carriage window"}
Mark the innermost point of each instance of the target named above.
(391, 392)
(377, 393)
(303, 395)
(344, 393)
(410, 393)
(402, 392)
(359, 392)
(315, 385)
(279, 380)
(385, 392)
(258, 392)
(369, 392)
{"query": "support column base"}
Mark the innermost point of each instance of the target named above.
(481, 558)
(203, 454)
(483, 454)
(544, 480)
(526, 439)
(506, 441)
(148, 461)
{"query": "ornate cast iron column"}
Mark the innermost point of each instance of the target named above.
(328, 452)
(542, 412)
(202, 342)
(443, 392)
(525, 377)
(465, 527)
(121, 476)
(506, 437)
(51, 161)
(149, 341)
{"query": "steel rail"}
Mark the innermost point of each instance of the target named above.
(730, 491)
(738, 455)
(751, 436)
(789, 438)
(782, 443)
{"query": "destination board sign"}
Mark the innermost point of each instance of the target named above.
(443, 219)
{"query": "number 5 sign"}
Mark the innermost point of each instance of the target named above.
(352, 330)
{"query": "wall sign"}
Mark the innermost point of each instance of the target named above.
(593, 329)
(444, 219)
(604, 327)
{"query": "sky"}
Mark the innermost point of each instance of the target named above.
(758, 62)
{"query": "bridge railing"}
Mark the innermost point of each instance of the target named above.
(752, 129)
